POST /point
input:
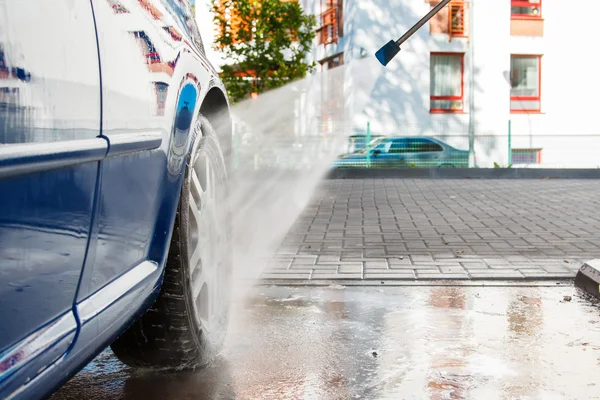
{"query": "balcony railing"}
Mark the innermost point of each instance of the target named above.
(457, 19)
(328, 32)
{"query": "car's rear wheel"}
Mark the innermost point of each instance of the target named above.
(186, 326)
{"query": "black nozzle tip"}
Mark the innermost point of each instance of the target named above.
(387, 52)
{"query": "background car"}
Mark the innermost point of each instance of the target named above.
(357, 143)
(405, 152)
(114, 143)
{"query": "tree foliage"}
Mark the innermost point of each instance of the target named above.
(266, 42)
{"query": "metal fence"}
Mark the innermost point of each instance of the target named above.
(338, 119)
(352, 148)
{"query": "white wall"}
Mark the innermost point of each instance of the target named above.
(398, 102)
(568, 126)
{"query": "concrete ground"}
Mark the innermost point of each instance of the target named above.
(433, 342)
(527, 335)
(367, 230)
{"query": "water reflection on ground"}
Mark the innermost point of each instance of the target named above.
(443, 342)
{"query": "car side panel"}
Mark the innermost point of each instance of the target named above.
(146, 61)
(391, 155)
(99, 330)
(49, 154)
(427, 152)
(139, 179)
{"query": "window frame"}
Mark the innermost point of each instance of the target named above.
(525, 3)
(329, 60)
(451, 98)
(327, 7)
(537, 98)
(462, 10)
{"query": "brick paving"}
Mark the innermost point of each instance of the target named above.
(395, 229)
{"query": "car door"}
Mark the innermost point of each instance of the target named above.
(50, 147)
(425, 152)
(399, 153)
(146, 63)
(391, 154)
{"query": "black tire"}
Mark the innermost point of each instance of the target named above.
(172, 334)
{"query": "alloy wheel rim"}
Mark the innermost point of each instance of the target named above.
(207, 242)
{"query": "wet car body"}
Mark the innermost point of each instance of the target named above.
(97, 99)
(405, 152)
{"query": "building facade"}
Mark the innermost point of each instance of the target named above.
(516, 74)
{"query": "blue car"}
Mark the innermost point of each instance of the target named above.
(405, 152)
(114, 157)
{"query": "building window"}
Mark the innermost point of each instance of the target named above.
(526, 156)
(525, 78)
(447, 82)
(457, 20)
(526, 8)
(332, 21)
(332, 62)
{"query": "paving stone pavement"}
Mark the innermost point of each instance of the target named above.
(395, 229)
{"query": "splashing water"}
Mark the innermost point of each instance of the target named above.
(284, 142)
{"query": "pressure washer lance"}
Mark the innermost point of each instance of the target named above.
(390, 49)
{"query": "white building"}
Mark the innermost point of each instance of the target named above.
(533, 69)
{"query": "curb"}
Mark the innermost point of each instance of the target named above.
(462, 173)
(382, 282)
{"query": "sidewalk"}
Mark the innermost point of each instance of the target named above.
(393, 229)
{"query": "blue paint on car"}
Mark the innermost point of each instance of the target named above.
(95, 130)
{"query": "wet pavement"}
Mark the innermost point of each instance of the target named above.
(430, 342)
(431, 229)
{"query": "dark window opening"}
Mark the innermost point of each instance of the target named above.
(526, 8)
(447, 82)
(525, 82)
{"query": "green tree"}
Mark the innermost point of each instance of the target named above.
(266, 42)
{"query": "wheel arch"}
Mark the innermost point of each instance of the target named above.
(215, 107)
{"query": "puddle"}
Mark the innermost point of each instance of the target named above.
(390, 343)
